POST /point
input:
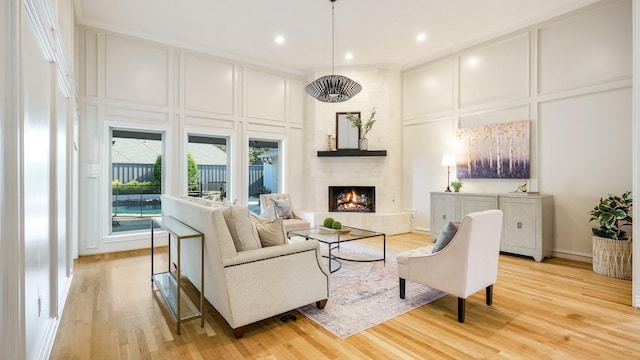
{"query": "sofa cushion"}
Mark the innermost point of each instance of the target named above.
(445, 236)
(283, 208)
(296, 224)
(243, 230)
(271, 232)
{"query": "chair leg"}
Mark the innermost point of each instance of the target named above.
(402, 286)
(461, 308)
(238, 332)
(321, 304)
(489, 294)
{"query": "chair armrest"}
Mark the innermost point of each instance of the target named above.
(271, 252)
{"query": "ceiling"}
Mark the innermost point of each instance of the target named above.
(376, 32)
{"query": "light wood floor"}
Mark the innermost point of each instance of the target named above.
(557, 309)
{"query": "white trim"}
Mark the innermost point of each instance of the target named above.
(635, 286)
(54, 323)
(12, 339)
(120, 242)
(572, 255)
(207, 132)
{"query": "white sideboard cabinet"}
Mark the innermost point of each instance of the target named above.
(450, 206)
(527, 224)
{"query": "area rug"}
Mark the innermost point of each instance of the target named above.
(363, 295)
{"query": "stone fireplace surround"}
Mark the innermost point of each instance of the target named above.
(386, 222)
(382, 167)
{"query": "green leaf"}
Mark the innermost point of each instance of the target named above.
(604, 207)
(619, 214)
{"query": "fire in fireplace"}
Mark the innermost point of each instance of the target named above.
(352, 199)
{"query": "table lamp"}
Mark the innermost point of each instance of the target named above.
(448, 160)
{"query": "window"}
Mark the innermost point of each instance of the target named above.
(207, 170)
(264, 170)
(136, 179)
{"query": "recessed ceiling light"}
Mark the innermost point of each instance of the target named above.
(348, 56)
(279, 39)
(421, 37)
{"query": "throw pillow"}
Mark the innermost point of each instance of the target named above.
(269, 212)
(243, 230)
(271, 232)
(283, 208)
(445, 236)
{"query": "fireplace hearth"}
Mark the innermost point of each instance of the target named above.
(352, 199)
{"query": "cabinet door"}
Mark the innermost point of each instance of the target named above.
(521, 226)
(443, 209)
(475, 203)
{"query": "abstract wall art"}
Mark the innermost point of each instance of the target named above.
(494, 151)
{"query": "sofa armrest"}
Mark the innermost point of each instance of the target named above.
(266, 282)
(271, 252)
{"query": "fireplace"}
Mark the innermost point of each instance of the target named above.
(352, 199)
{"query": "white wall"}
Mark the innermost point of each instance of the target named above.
(571, 77)
(36, 217)
(133, 83)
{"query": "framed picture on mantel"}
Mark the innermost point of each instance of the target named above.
(347, 135)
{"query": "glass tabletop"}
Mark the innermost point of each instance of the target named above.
(330, 236)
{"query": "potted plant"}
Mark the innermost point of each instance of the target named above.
(611, 242)
(363, 142)
(456, 185)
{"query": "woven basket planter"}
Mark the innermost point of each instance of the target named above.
(612, 258)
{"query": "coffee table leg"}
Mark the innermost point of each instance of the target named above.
(384, 249)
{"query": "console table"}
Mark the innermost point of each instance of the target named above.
(527, 227)
(168, 282)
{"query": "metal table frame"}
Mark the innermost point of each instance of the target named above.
(333, 240)
(168, 283)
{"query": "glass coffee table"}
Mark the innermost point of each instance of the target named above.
(334, 238)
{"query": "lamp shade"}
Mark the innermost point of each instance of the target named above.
(333, 88)
(448, 160)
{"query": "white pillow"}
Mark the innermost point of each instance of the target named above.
(269, 212)
(283, 208)
(243, 230)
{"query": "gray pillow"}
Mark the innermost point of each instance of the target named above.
(445, 236)
(283, 208)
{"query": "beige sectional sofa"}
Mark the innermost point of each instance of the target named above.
(244, 281)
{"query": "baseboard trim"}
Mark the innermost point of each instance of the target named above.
(573, 255)
(49, 338)
(52, 328)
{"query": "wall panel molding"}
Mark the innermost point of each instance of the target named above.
(209, 85)
(265, 128)
(567, 61)
(209, 122)
(91, 80)
(265, 95)
(136, 72)
(122, 114)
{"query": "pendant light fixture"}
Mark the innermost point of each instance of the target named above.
(333, 88)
